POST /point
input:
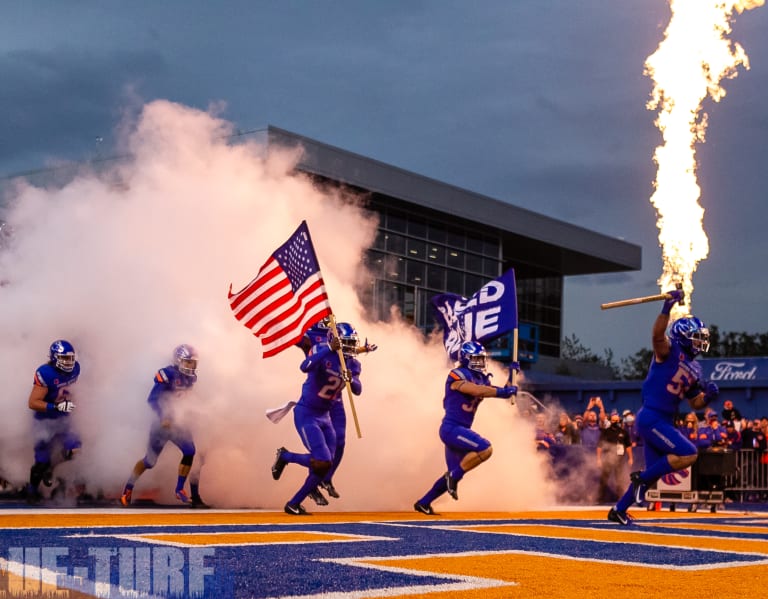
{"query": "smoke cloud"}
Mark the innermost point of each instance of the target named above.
(133, 260)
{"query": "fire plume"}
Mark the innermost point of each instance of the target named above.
(687, 67)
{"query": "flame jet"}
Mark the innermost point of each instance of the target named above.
(687, 67)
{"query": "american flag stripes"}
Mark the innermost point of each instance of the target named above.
(286, 297)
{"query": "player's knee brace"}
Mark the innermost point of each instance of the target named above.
(320, 467)
(186, 460)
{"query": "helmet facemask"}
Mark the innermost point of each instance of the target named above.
(62, 355)
(65, 362)
(185, 359)
(700, 340)
(347, 336)
(477, 362)
(472, 355)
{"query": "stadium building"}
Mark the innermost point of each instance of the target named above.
(436, 238)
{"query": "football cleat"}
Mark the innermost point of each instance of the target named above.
(451, 485)
(330, 489)
(638, 487)
(622, 518)
(198, 503)
(279, 465)
(295, 510)
(425, 509)
(182, 496)
(125, 498)
(316, 496)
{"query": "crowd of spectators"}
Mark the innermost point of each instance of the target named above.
(601, 449)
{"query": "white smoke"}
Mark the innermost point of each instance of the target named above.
(128, 263)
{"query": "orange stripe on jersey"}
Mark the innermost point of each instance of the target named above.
(159, 378)
(455, 376)
(38, 381)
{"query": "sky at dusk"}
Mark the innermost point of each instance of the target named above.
(537, 103)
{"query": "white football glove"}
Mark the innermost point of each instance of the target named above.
(65, 406)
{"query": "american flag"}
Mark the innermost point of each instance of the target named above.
(286, 297)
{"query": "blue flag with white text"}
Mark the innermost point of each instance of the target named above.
(490, 312)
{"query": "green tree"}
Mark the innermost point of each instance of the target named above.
(727, 344)
(572, 348)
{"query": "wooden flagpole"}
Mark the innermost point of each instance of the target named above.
(512, 371)
(343, 366)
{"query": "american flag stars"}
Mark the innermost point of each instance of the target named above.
(297, 260)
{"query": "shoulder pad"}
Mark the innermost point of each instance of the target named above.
(458, 374)
(164, 376)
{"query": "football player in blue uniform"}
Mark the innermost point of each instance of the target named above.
(51, 401)
(318, 333)
(672, 377)
(321, 390)
(171, 383)
(465, 388)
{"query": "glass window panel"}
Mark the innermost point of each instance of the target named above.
(396, 222)
(436, 233)
(491, 267)
(375, 263)
(435, 254)
(455, 258)
(395, 269)
(475, 244)
(474, 263)
(455, 282)
(474, 283)
(491, 247)
(416, 249)
(415, 272)
(454, 239)
(380, 241)
(417, 228)
(436, 277)
(395, 244)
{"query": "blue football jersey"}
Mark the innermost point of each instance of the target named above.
(56, 383)
(169, 381)
(459, 407)
(314, 335)
(668, 382)
(323, 384)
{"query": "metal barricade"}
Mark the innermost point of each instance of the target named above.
(750, 481)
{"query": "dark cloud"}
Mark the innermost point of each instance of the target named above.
(538, 103)
(58, 103)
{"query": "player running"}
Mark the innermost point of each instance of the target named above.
(672, 376)
(465, 387)
(51, 401)
(318, 333)
(171, 384)
(311, 415)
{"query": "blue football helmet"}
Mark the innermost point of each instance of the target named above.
(185, 359)
(692, 335)
(348, 337)
(472, 355)
(62, 355)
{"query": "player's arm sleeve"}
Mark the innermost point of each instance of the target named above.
(315, 357)
(355, 369)
(156, 398)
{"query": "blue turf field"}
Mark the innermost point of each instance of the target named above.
(238, 554)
